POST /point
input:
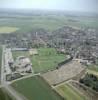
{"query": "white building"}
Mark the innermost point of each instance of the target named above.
(23, 65)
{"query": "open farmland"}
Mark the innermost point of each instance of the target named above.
(93, 67)
(69, 93)
(92, 72)
(47, 22)
(35, 88)
(8, 29)
(66, 72)
(47, 59)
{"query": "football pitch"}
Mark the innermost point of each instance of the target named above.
(35, 88)
(47, 59)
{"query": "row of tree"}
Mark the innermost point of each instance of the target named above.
(91, 81)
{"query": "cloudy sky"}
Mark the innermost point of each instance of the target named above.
(72, 5)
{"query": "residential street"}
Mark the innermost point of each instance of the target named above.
(4, 84)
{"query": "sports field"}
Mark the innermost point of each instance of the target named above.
(47, 59)
(69, 93)
(6, 29)
(35, 88)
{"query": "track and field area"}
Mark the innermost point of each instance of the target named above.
(69, 93)
(6, 29)
(47, 59)
(35, 88)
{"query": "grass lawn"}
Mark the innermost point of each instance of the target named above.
(35, 88)
(20, 53)
(69, 93)
(47, 59)
(8, 29)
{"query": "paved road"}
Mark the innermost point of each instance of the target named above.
(7, 87)
(2, 68)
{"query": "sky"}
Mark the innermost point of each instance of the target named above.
(68, 5)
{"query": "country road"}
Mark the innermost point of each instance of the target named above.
(4, 84)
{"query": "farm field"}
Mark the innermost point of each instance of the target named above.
(93, 67)
(92, 72)
(47, 59)
(69, 93)
(66, 72)
(6, 29)
(49, 23)
(35, 88)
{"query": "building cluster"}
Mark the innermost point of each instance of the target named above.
(17, 68)
(78, 42)
(23, 65)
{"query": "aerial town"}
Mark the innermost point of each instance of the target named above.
(48, 55)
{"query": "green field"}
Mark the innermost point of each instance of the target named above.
(49, 22)
(47, 59)
(35, 88)
(89, 71)
(6, 29)
(69, 93)
(4, 95)
(27, 24)
(93, 67)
